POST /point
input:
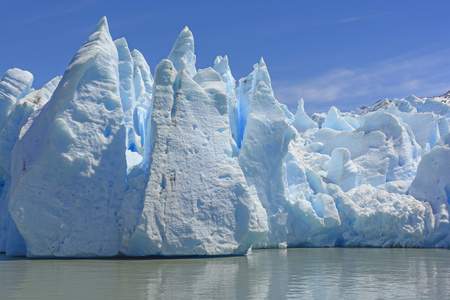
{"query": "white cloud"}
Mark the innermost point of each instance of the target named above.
(363, 18)
(423, 75)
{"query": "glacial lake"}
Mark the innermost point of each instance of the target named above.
(311, 273)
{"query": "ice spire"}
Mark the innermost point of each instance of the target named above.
(195, 108)
(247, 87)
(79, 136)
(14, 85)
(11, 241)
(127, 95)
(143, 82)
(302, 121)
(261, 157)
(221, 66)
(182, 55)
(102, 25)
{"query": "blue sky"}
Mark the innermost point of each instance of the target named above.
(342, 53)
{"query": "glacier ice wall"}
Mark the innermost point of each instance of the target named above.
(69, 167)
(26, 108)
(261, 156)
(109, 160)
(196, 200)
(432, 185)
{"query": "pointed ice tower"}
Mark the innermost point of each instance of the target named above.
(133, 145)
(221, 66)
(11, 241)
(197, 201)
(302, 121)
(264, 147)
(127, 93)
(143, 82)
(69, 168)
(14, 85)
(182, 55)
(247, 88)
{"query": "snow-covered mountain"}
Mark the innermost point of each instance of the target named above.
(110, 159)
(443, 98)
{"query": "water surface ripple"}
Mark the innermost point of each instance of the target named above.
(312, 273)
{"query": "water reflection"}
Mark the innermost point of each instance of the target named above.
(266, 274)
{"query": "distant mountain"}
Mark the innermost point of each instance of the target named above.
(443, 98)
(384, 103)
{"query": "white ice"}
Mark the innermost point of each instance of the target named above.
(108, 160)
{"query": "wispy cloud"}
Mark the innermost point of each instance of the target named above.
(364, 18)
(423, 75)
(59, 9)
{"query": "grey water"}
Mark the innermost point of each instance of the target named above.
(311, 273)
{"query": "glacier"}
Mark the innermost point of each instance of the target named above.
(110, 159)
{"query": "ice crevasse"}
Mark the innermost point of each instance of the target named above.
(110, 159)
